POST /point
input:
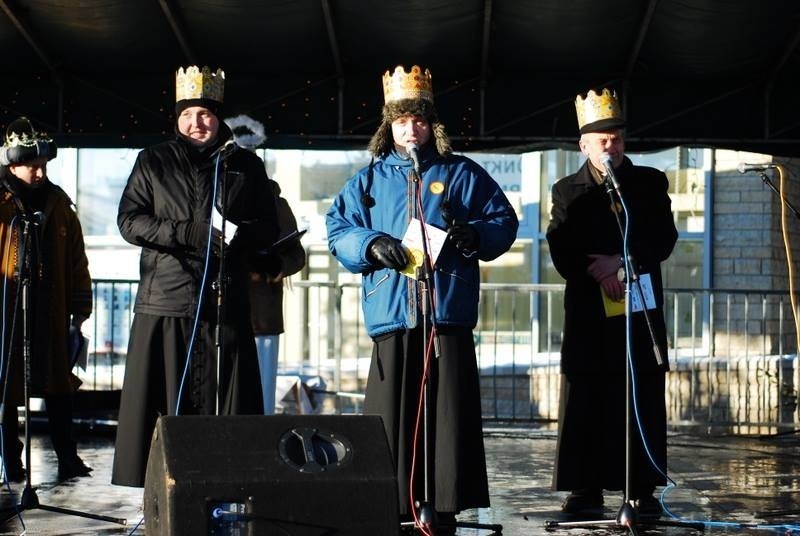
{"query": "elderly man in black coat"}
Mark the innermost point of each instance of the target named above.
(585, 235)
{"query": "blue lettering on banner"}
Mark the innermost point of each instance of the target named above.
(502, 166)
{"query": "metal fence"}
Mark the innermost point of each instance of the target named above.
(732, 352)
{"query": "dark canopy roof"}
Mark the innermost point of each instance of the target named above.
(692, 72)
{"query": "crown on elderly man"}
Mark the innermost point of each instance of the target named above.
(598, 111)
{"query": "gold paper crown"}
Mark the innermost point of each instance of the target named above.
(598, 107)
(197, 83)
(401, 85)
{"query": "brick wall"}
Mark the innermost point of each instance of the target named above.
(748, 246)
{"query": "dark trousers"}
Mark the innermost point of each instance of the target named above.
(59, 418)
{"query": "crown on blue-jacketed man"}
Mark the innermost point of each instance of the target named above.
(400, 85)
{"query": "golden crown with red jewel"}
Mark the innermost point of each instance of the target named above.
(401, 85)
(598, 111)
(199, 83)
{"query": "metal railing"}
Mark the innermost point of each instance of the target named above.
(732, 352)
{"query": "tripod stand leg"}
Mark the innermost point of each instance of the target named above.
(495, 528)
(627, 518)
(30, 501)
(551, 525)
(59, 510)
(428, 518)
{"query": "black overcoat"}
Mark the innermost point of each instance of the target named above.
(590, 451)
(170, 188)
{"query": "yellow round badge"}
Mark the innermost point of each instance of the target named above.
(436, 187)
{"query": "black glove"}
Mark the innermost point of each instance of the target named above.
(389, 252)
(192, 233)
(464, 237)
(195, 235)
(272, 264)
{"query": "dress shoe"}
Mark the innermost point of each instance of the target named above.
(72, 468)
(583, 500)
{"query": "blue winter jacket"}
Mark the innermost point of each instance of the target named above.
(381, 202)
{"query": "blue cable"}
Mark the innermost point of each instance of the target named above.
(634, 397)
(136, 526)
(206, 263)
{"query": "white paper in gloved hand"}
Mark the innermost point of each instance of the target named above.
(216, 222)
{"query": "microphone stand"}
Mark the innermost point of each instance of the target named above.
(28, 499)
(427, 514)
(614, 194)
(220, 286)
(627, 516)
(766, 180)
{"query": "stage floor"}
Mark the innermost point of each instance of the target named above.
(741, 485)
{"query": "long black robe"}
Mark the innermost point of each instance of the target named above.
(458, 478)
(171, 186)
(591, 445)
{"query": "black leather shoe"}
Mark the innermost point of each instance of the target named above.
(72, 468)
(582, 500)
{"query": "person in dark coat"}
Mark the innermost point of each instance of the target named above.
(59, 295)
(586, 245)
(266, 282)
(166, 209)
(266, 297)
(366, 224)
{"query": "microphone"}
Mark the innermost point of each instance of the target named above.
(226, 149)
(35, 218)
(744, 168)
(605, 158)
(413, 152)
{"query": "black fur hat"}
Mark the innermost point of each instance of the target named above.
(22, 144)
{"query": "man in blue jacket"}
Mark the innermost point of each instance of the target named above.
(414, 178)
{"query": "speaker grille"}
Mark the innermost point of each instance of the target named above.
(310, 450)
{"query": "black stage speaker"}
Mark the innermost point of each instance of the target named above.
(280, 474)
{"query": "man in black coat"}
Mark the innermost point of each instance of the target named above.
(585, 235)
